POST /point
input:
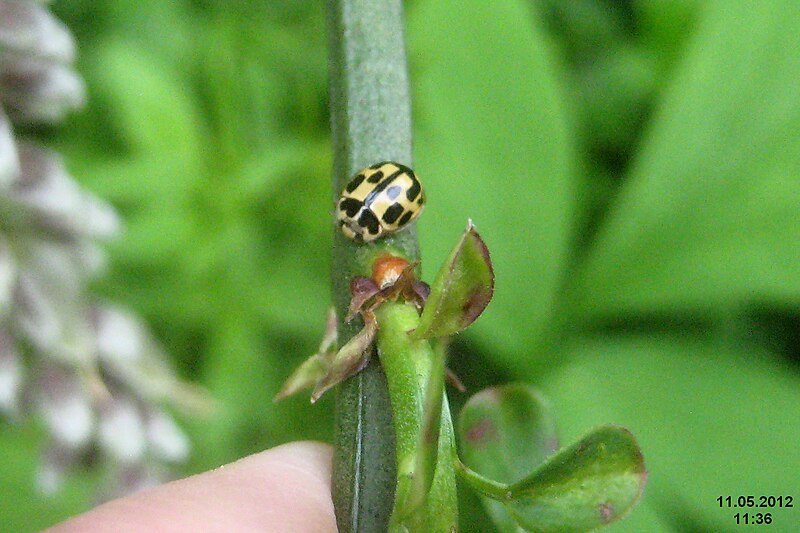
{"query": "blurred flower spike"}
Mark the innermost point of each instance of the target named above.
(91, 371)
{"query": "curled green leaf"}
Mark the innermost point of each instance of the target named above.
(425, 499)
(427, 455)
(586, 486)
(350, 359)
(508, 436)
(505, 433)
(308, 374)
(305, 376)
(461, 291)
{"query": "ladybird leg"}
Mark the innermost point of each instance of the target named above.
(348, 232)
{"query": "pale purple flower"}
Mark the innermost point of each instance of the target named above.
(92, 373)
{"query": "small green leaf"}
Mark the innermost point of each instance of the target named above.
(505, 433)
(461, 291)
(584, 487)
(313, 369)
(305, 376)
(350, 359)
(508, 431)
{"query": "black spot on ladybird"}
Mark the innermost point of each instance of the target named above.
(413, 191)
(391, 214)
(369, 221)
(350, 206)
(355, 182)
(405, 218)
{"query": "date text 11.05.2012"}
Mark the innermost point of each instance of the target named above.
(756, 501)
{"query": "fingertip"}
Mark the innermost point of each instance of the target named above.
(286, 488)
(314, 458)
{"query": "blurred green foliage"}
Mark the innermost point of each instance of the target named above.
(633, 167)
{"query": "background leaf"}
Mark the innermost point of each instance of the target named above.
(707, 218)
(495, 151)
(713, 420)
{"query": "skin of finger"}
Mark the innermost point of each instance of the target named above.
(284, 490)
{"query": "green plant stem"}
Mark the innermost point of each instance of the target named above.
(371, 122)
(409, 365)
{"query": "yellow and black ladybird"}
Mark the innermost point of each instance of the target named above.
(379, 200)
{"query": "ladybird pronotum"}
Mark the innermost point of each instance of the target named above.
(379, 200)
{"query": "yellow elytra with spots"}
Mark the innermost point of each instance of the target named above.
(379, 200)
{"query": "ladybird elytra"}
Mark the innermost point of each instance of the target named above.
(379, 200)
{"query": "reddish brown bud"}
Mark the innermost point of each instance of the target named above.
(387, 269)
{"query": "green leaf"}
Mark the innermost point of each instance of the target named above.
(505, 433)
(582, 488)
(586, 486)
(702, 222)
(152, 110)
(310, 371)
(508, 431)
(461, 291)
(492, 144)
(714, 418)
(349, 360)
